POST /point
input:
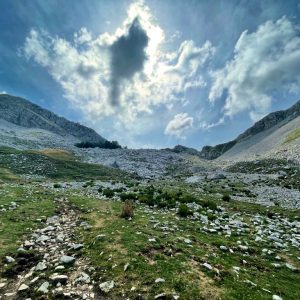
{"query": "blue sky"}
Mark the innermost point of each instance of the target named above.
(153, 73)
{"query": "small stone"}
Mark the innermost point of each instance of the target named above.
(49, 228)
(21, 249)
(126, 267)
(275, 297)
(62, 279)
(160, 296)
(42, 238)
(207, 266)
(44, 288)
(223, 248)
(53, 220)
(2, 284)
(159, 280)
(60, 238)
(41, 266)
(291, 267)
(107, 286)
(243, 248)
(35, 279)
(83, 277)
(28, 244)
(9, 259)
(9, 294)
(77, 246)
(65, 259)
(23, 287)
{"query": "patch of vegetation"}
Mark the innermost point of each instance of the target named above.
(127, 210)
(295, 134)
(271, 166)
(56, 153)
(104, 145)
(184, 211)
(62, 168)
(179, 263)
(32, 204)
(108, 193)
(226, 197)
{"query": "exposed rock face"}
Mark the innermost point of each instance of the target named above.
(273, 119)
(23, 113)
(183, 149)
(212, 152)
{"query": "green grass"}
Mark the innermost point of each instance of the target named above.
(57, 165)
(292, 136)
(182, 267)
(15, 224)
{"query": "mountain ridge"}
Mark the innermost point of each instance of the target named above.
(22, 112)
(271, 120)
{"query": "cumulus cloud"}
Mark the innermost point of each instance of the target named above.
(265, 61)
(125, 74)
(179, 125)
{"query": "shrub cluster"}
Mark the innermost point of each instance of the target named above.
(105, 145)
(108, 193)
(226, 198)
(184, 211)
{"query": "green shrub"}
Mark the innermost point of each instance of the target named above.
(188, 198)
(209, 204)
(226, 198)
(127, 196)
(108, 193)
(211, 217)
(56, 185)
(183, 210)
(162, 204)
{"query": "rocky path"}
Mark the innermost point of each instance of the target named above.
(48, 264)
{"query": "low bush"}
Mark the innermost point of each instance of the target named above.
(209, 204)
(108, 193)
(56, 185)
(226, 198)
(127, 196)
(127, 210)
(183, 210)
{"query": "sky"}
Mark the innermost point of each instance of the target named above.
(153, 74)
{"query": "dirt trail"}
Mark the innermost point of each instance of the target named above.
(49, 264)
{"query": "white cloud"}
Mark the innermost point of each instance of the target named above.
(179, 124)
(264, 62)
(83, 36)
(207, 125)
(82, 68)
(3, 93)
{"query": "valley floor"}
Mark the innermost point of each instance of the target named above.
(192, 230)
(66, 240)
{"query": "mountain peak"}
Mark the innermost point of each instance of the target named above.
(24, 113)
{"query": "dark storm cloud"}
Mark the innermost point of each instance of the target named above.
(127, 57)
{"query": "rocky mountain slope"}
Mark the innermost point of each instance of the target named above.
(21, 112)
(262, 137)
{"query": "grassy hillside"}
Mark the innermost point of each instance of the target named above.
(295, 134)
(54, 164)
